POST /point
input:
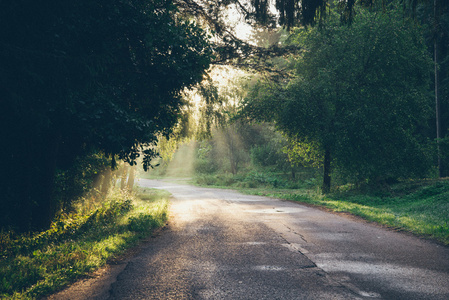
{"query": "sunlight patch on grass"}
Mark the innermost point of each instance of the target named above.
(36, 265)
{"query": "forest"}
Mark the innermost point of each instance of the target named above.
(329, 95)
(359, 97)
(355, 89)
(351, 115)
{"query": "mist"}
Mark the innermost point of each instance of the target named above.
(181, 165)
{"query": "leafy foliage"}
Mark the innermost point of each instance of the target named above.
(80, 178)
(360, 92)
(82, 77)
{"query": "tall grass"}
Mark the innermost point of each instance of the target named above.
(38, 264)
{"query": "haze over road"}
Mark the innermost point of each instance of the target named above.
(224, 245)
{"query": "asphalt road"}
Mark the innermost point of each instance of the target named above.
(224, 245)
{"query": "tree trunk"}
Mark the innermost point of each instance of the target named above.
(96, 182)
(124, 176)
(42, 197)
(107, 180)
(229, 140)
(114, 178)
(437, 98)
(327, 172)
(132, 175)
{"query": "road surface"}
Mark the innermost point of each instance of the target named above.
(224, 245)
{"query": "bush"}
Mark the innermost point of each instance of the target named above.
(205, 166)
(143, 223)
(225, 179)
(205, 179)
(270, 154)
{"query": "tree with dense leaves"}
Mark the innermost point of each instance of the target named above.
(358, 98)
(437, 12)
(86, 76)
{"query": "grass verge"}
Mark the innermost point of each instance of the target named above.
(420, 207)
(35, 265)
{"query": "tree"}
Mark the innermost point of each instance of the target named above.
(358, 98)
(439, 40)
(86, 76)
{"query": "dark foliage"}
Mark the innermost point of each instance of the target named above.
(86, 76)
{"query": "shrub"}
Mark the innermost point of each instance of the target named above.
(205, 166)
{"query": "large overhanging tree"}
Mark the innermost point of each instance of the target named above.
(83, 76)
(88, 76)
(358, 98)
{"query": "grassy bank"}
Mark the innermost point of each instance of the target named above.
(420, 207)
(39, 264)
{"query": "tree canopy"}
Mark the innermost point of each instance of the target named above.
(358, 98)
(82, 76)
(106, 77)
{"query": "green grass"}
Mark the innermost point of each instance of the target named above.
(420, 207)
(35, 265)
(253, 179)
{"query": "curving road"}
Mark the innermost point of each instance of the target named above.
(225, 245)
(221, 244)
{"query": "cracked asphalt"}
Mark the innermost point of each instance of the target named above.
(221, 244)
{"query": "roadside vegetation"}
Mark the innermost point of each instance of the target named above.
(420, 207)
(417, 206)
(352, 121)
(37, 264)
(264, 167)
